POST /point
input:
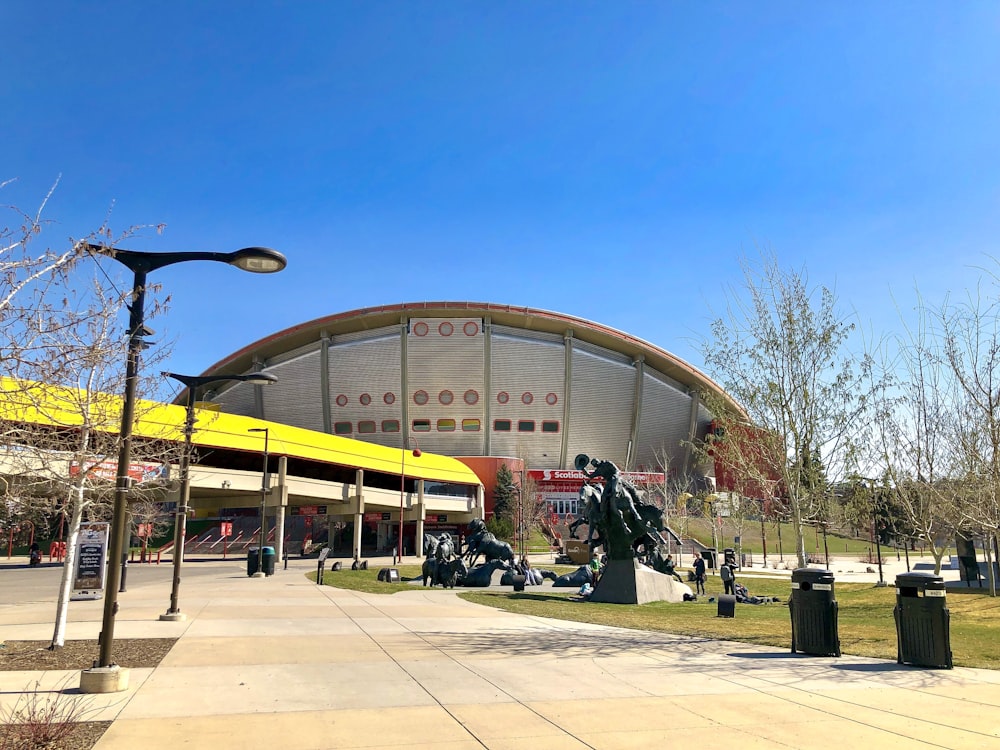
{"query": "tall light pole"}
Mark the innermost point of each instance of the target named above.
(253, 259)
(263, 505)
(402, 485)
(193, 382)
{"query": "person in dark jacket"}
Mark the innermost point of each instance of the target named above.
(699, 573)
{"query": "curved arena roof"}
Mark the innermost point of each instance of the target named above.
(468, 378)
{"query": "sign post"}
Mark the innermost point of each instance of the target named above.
(226, 531)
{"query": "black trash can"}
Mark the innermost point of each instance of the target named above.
(253, 560)
(268, 561)
(710, 554)
(814, 613)
(729, 556)
(923, 633)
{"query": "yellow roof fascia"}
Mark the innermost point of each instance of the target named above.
(58, 406)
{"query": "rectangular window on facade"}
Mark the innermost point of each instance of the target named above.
(366, 427)
(421, 425)
(470, 425)
(446, 425)
(390, 425)
(501, 425)
(526, 425)
(550, 427)
(342, 428)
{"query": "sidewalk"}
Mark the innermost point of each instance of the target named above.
(281, 663)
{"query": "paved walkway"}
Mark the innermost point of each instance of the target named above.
(282, 663)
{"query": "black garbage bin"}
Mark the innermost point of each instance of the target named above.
(814, 613)
(253, 560)
(709, 553)
(923, 634)
(268, 561)
(729, 556)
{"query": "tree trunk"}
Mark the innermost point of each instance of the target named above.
(800, 535)
(76, 502)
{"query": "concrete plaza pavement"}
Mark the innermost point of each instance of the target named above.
(283, 663)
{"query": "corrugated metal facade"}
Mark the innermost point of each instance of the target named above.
(603, 393)
(456, 397)
(663, 424)
(444, 372)
(365, 386)
(526, 394)
(299, 400)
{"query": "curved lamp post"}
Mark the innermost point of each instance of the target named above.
(193, 383)
(253, 259)
(262, 540)
(402, 485)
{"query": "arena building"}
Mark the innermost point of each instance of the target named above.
(485, 383)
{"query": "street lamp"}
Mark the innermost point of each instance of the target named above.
(253, 259)
(193, 382)
(402, 484)
(259, 573)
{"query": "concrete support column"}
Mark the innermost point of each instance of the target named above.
(421, 512)
(359, 515)
(282, 505)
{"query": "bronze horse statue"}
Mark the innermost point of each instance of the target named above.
(482, 542)
(616, 513)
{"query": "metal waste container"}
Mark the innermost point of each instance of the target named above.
(814, 613)
(268, 561)
(253, 560)
(729, 556)
(710, 554)
(923, 633)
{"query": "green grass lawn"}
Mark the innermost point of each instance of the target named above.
(865, 622)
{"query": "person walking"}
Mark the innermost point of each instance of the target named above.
(699, 573)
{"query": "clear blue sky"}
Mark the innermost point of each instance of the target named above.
(610, 160)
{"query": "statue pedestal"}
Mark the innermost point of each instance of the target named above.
(630, 582)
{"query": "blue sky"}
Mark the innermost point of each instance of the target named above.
(607, 160)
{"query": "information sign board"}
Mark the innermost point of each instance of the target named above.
(89, 571)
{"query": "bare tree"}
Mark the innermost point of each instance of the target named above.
(63, 353)
(971, 332)
(782, 353)
(915, 417)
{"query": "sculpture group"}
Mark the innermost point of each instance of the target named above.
(617, 518)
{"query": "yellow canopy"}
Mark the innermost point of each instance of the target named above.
(37, 403)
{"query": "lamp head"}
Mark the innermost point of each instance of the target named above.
(258, 260)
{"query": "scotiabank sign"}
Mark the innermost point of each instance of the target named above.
(559, 475)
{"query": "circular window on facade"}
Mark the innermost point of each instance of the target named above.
(551, 399)
(503, 397)
(471, 397)
(389, 398)
(471, 328)
(365, 399)
(527, 398)
(446, 397)
(420, 398)
(341, 400)
(420, 329)
(446, 329)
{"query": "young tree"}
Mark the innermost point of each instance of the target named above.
(782, 353)
(63, 354)
(914, 418)
(971, 332)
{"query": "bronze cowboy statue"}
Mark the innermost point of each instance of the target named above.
(616, 514)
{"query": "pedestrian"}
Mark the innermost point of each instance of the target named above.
(670, 569)
(595, 568)
(699, 573)
(728, 575)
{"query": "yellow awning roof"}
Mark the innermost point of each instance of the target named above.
(35, 403)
